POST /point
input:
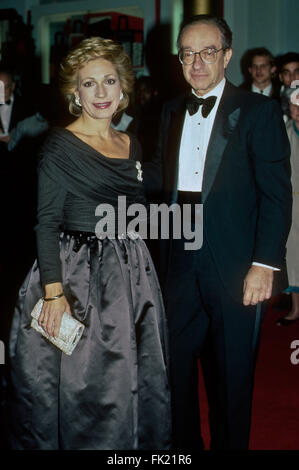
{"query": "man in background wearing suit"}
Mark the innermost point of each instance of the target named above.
(231, 153)
(14, 109)
(288, 69)
(262, 69)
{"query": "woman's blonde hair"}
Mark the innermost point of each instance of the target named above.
(91, 49)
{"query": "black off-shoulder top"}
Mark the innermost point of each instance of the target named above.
(73, 179)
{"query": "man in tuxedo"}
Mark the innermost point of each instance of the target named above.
(230, 153)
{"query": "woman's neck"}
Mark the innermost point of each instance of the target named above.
(93, 127)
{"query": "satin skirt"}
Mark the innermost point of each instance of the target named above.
(112, 393)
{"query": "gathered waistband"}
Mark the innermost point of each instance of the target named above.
(90, 238)
(78, 234)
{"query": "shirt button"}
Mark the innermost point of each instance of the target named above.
(197, 148)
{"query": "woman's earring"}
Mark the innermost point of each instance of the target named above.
(77, 101)
(121, 95)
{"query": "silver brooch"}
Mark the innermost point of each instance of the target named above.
(139, 171)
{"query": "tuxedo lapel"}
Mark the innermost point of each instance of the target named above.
(226, 119)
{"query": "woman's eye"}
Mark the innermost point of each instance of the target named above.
(111, 81)
(88, 84)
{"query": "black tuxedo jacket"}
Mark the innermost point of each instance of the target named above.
(246, 191)
(20, 110)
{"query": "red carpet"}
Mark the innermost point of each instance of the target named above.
(275, 413)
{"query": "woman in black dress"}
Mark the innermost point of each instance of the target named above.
(112, 392)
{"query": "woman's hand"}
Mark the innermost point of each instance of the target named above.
(52, 311)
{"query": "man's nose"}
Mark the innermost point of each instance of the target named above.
(198, 62)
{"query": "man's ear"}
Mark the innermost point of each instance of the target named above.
(227, 57)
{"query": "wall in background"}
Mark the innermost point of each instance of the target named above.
(269, 23)
(261, 23)
(43, 13)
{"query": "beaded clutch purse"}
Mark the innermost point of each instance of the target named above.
(69, 334)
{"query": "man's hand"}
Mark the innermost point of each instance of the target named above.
(257, 285)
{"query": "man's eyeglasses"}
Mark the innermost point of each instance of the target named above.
(208, 55)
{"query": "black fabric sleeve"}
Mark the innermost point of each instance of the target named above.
(270, 151)
(51, 197)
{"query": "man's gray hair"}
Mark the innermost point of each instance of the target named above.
(220, 23)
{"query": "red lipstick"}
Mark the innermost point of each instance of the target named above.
(102, 105)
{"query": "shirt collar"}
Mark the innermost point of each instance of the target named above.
(266, 91)
(217, 91)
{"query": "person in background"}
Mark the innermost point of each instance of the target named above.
(29, 128)
(28, 133)
(261, 68)
(112, 393)
(122, 123)
(292, 96)
(14, 109)
(288, 69)
(19, 157)
(15, 181)
(145, 124)
(288, 72)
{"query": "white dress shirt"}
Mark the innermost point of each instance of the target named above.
(5, 114)
(266, 91)
(194, 144)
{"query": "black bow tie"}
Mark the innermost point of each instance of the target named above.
(193, 103)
